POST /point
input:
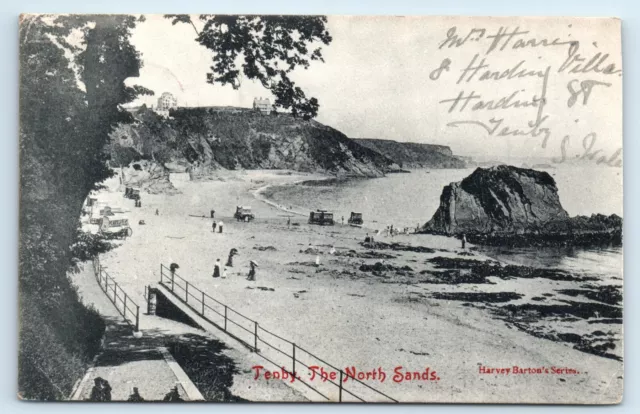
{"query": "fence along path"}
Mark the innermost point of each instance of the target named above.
(287, 356)
(125, 306)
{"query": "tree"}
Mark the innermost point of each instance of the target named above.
(71, 94)
(267, 48)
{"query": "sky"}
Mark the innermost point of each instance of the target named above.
(380, 80)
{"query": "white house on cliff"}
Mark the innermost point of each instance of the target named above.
(262, 105)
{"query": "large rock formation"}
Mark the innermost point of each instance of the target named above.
(516, 206)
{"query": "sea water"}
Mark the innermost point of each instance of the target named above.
(411, 199)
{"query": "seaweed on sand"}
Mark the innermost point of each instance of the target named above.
(379, 268)
(265, 248)
(486, 297)
(533, 312)
(364, 255)
(608, 294)
(454, 277)
(493, 268)
(397, 247)
(593, 343)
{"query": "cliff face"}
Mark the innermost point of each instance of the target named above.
(504, 202)
(236, 138)
(414, 155)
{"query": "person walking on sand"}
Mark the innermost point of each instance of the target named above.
(216, 269)
(157, 214)
(252, 271)
(343, 220)
(463, 240)
(232, 253)
(220, 224)
(213, 226)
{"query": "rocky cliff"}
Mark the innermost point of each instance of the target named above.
(207, 139)
(414, 155)
(515, 206)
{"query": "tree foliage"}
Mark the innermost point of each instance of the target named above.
(264, 48)
(72, 73)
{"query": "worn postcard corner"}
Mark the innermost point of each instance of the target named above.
(234, 208)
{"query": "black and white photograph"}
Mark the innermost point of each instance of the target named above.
(320, 209)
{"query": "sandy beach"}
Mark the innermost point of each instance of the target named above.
(348, 316)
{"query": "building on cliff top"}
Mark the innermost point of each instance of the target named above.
(262, 105)
(166, 102)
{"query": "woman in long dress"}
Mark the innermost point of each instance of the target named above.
(216, 269)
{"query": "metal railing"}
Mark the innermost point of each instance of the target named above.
(125, 306)
(279, 351)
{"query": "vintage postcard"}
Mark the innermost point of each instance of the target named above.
(266, 208)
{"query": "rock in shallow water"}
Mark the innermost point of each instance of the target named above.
(506, 205)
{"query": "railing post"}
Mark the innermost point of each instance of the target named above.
(115, 294)
(225, 318)
(125, 306)
(255, 346)
(172, 281)
(202, 303)
(293, 371)
(186, 293)
(160, 272)
(137, 318)
(340, 393)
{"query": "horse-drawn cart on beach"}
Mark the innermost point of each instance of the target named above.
(115, 228)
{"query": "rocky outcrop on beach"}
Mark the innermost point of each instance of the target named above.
(506, 205)
(414, 155)
(147, 176)
(214, 138)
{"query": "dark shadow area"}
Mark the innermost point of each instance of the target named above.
(166, 309)
(122, 347)
(206, 365)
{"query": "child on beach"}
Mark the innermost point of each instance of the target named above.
(220, 224)
(213, 226)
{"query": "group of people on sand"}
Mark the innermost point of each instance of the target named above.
(219, 225)
(389, 231)
(394, 231)
(221, 272)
